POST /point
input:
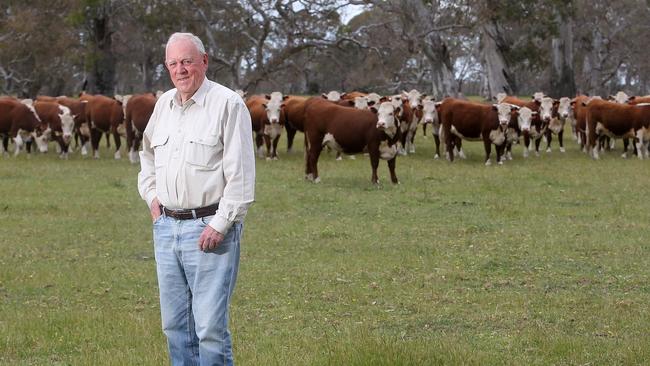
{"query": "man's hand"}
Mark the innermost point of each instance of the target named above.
(209, 239)
(155, 210)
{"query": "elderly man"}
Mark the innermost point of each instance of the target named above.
(198, 178)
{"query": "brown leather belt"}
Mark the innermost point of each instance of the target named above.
(191, 214)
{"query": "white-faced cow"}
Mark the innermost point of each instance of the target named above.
(520, 124)
(538, 126)
(19, 122)
(351, 131)
(267, 121)
(60, 125)
(414, 100)
(620, 97)
(549, 113)
(333, 96)
(475, 122)
(618, 121)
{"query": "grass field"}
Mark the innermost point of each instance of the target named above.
(540, 261)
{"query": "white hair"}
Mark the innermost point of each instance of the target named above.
(188, 36)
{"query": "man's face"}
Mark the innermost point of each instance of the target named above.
(187, 67)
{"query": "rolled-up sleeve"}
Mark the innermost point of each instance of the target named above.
(238, 168)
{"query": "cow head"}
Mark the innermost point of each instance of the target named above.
(373, 98)
(387, 118)
(524, 119)
(361, 103)
(620, 97)
(546, 109)
(504, 112)
(273, 109)
(67, 123)
(414, 98)
(429, 113)
(565, 108)
(538, 96)
(333, 96)
(276, 96)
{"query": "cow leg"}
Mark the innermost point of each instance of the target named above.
(267, 143)
(488, 150)
(95, 137)
(436, 138)
(274, 151)
(118, 144)
(28, 145)
(639, 144)
(374, 163)
(449, 142)
(526, 144)
(291, 134)
(5, 145)
(560, 140)
(259, 141)
(391, 169)
(424, 130)
(500, 149)
(549, 138)
(410, 141)
(314, 148)
(459, 147)
(626, 144)
(537, 142)
(108, 142)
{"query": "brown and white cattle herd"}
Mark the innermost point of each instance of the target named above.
(349, 123)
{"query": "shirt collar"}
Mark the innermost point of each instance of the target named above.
(198, 97)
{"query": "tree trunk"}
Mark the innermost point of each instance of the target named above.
(562, 74)
(102, 63)
(497, 76)
(443, 82)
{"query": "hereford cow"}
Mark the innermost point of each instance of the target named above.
(538, 126)
(620, 97)
(618, 121)
(20, 122)
(267, 121)
(333, 96)
(549, 111)
(81, 127)
(430, 116)
(104, 114)
(351, 131)
(474, 122)
(567, 115)
(414, 99)
(60, 124)
(520, 124)
(138, 111)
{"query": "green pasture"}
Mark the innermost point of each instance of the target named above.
(540, 261)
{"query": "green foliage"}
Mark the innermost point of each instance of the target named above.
(540, 261)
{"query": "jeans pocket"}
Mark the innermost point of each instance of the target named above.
(205, 220)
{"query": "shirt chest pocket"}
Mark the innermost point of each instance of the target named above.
(160, 146)
(203, 151)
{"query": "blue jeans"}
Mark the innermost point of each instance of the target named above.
(195, 290)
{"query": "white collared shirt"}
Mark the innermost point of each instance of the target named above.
(199, 153)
